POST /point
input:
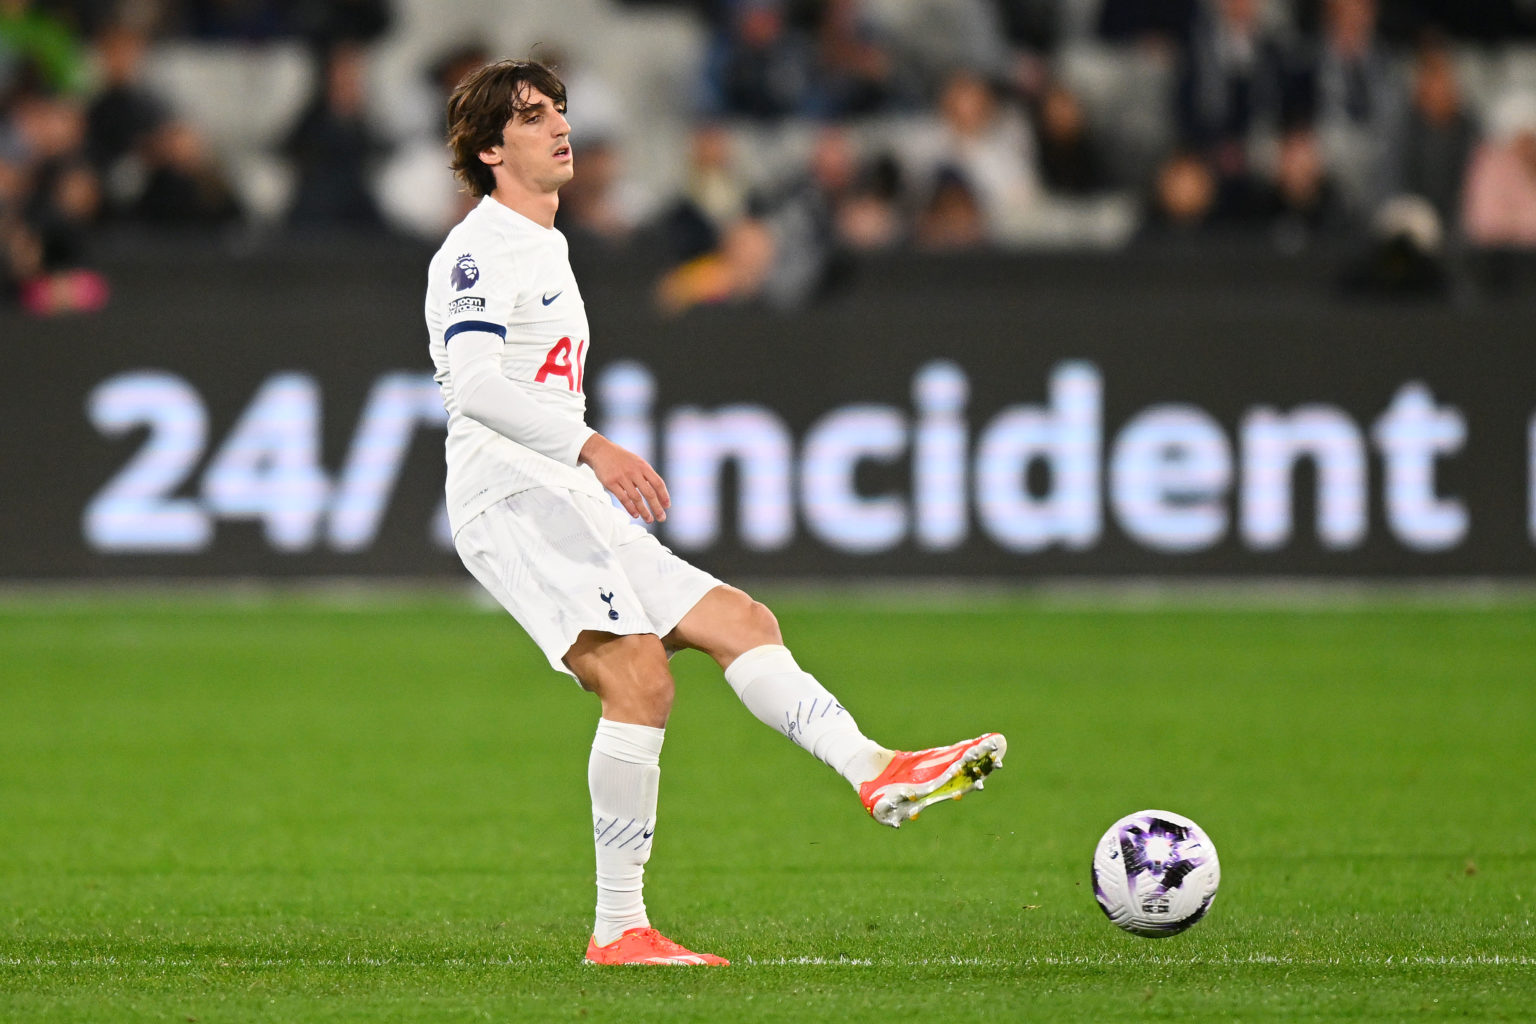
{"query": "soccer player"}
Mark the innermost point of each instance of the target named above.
(528, 501)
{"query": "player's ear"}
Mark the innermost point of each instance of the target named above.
(491, 155)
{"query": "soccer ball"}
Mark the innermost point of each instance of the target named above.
(1155, 873)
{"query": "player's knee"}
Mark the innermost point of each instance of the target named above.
(646, 700)
(628, 674)
(759, 625)
(725, 625)
(633, 680)
(650, 685)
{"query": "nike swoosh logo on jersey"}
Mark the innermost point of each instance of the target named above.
(551, 298)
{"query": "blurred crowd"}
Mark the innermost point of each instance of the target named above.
(87, 146)
(817, 130)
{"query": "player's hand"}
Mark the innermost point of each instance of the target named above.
(627, 477)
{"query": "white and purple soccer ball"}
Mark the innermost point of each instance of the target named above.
(1155, 873)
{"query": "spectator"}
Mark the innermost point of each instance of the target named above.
(1184, 198)
(1235, 85)
(988, 144)
(759, 64)
(951, 217)
(1359, 102)
(856, 72)
(123, 114)
(1302, 204)
(1070, 160)
(1499, 211)
(604, 202)
(871, 216)
(49, 198)
(333, 147)
(1440, 133)
(771, 59)
(37, 51)
(714, 197)
(1031, 31)
(1191, 200)
(734, 272)
(855, 202)
(590, 206)
(787, 251)
(183, 188)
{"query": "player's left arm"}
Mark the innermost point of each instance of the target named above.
(627, 477)
(484, 395)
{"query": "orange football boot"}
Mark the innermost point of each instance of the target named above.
(915, 779)
(648, 946)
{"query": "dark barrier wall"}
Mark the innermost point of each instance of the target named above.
(274, 415)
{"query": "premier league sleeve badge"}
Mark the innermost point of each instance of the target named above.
(466, 273)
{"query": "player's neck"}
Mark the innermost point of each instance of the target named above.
(538, 207)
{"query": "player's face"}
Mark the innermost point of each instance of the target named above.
(535, 150)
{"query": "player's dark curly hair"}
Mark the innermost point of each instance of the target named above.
(481, 106)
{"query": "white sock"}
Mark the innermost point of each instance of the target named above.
(623, 775)
(783, 695)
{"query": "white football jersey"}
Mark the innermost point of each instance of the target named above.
(501, 273)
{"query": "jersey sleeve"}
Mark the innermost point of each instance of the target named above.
(480, 290)
(487, 397)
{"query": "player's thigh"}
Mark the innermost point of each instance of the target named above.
(543, 559)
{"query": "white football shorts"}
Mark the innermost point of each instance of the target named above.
(562, 561)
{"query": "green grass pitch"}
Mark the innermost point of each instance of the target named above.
(286, 810)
